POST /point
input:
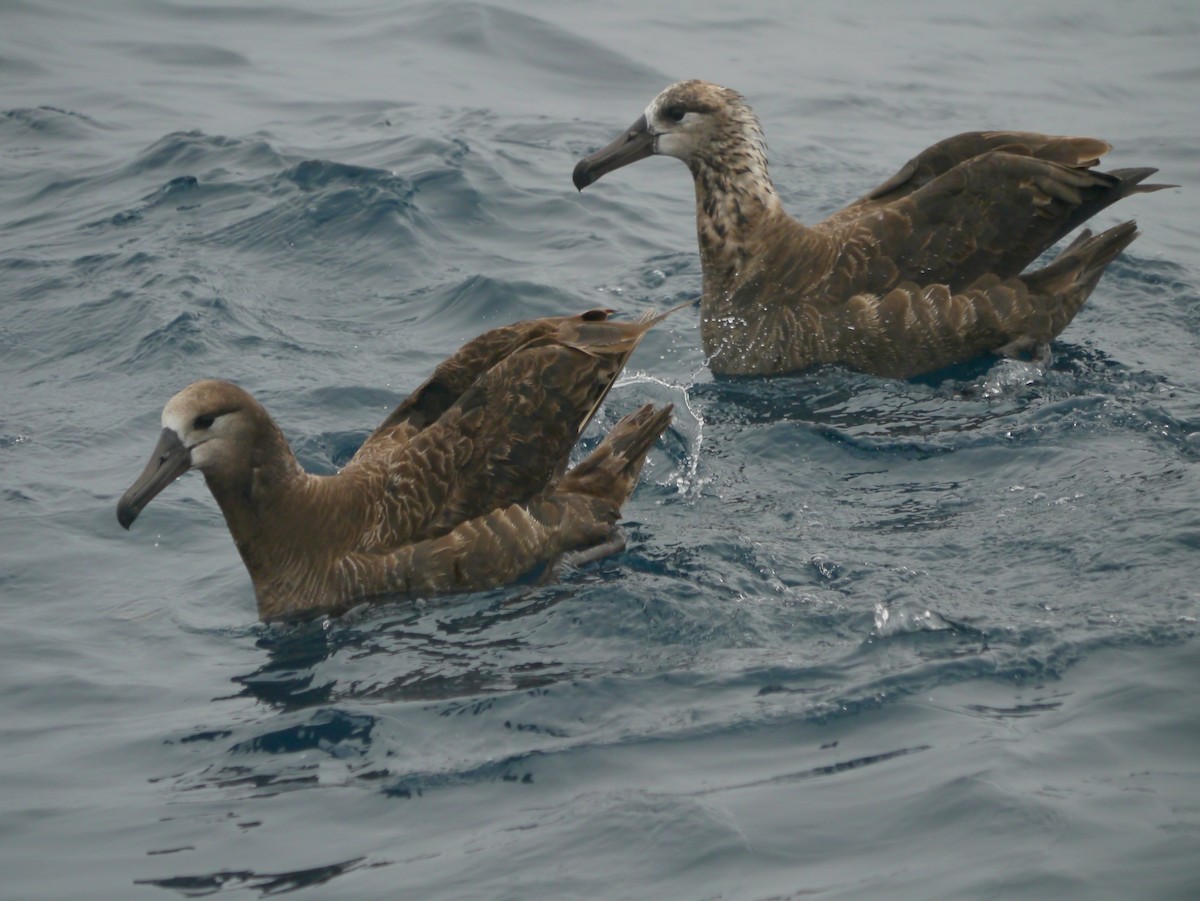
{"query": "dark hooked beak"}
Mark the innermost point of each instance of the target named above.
(169, 461)
(636, 144)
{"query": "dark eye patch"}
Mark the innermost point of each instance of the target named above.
(675, 112)
(204, 421)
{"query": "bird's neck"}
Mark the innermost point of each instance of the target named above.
(734, 199)
(759, 263)
(270, 508)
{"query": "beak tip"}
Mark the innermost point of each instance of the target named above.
(581, 178)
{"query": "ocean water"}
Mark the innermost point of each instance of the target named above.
(869, 638)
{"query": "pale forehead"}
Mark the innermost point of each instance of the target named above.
(208, 396)
(177, 413)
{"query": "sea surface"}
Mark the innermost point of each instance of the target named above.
(869, 638)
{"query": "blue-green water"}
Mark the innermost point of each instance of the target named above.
(869, 638)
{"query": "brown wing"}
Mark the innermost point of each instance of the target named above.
(522, 418)
(483, 552)
(455, 375)
(503, 440)
(991, 214)
(506, 542)
(945, 155)
(982, 203)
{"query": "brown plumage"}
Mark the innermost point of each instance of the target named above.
(464, 486)
(920, 273)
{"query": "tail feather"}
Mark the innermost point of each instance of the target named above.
(1084, 261)
(612, 469)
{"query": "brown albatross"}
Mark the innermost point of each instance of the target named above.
(464, 486)
(923, 272)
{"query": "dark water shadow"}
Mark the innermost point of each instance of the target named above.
(265, 884)
(829, 769)
(434, 650)
(982, 400)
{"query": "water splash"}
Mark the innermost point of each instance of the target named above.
(890, 621)
(689, 483)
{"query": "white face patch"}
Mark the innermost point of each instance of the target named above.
(678, 144)
(671, 138)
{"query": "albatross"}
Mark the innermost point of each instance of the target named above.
(924, 271)
(464, 486)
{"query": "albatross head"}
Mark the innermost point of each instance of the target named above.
(701, 123)
(211, 426)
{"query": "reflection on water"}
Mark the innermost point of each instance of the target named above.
(429, 651)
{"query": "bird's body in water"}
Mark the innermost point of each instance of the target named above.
(464, 486)
(925, 271)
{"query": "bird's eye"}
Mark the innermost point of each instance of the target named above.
(675, 113)
(203, 421)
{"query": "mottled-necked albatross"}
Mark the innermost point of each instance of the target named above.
(464, 486)
(923, 272)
